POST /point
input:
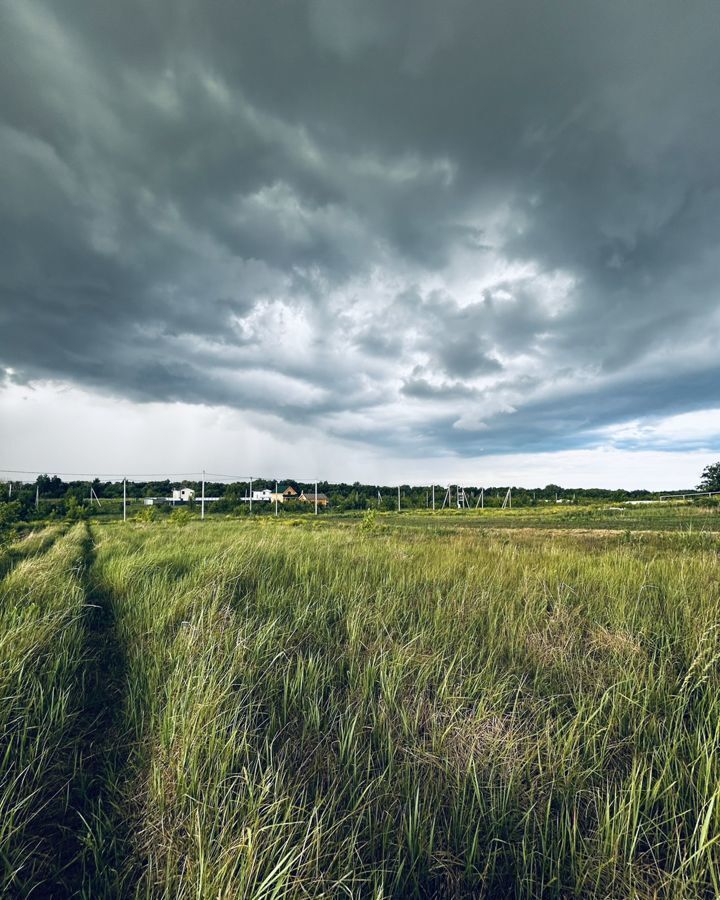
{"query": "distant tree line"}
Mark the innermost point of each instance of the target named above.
(51, 497)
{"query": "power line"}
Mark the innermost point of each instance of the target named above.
(98, 474)
(259, 477)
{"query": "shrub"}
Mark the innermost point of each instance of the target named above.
(146, 514)
(369, 522)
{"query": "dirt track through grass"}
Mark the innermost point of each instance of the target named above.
(93, 828)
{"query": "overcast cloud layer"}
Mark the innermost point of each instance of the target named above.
(432, 229)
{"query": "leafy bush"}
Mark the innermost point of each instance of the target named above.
(146, 514)
(369, 522)
(181, 516)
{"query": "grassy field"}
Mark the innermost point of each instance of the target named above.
(416, 706)
(640, 517)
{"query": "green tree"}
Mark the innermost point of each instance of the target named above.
(710, 478)
(10, 514)
(73, 510)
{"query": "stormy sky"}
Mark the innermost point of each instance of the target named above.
(362, 239)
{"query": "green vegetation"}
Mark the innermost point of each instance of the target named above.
(700, 515)
(52, 498)
(710, 478)
(32, 544)
(42, 652)
(396, 706)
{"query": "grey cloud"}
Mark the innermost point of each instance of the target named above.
(286, 206)
(461, 357)
(421, 389)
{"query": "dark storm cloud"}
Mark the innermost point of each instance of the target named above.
(490, 226)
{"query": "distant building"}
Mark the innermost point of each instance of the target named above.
(309, 497)
(262, 496)
(284, 493)
(179, 495)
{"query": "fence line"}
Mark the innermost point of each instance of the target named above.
(689, 494)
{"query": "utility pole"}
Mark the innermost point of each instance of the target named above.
(37, 496)
(398, 498)
(124, 499)
(433, 497)
(251, 495)
(316, 498)
(202, 497)
(276, 498)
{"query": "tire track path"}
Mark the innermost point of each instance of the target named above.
(92, 832)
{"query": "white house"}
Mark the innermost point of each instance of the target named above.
(262, 496)
(183, 495)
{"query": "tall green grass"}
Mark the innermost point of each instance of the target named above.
(34, 543)
(42, 609)
(331, 712)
